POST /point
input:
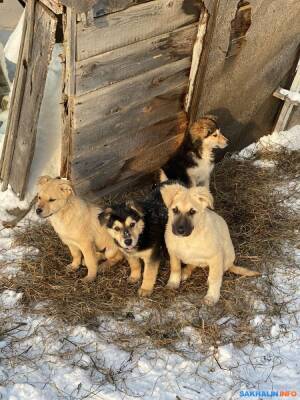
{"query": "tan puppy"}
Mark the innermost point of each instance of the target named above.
(198, 237)
(76, 223)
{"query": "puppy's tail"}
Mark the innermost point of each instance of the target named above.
(243, 271)
(162, 176)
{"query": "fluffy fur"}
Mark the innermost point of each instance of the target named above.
(76, 223)
(194, 161)
(138, 230)
(198, 237)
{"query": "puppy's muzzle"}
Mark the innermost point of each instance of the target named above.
(182, 228)
(39, 211)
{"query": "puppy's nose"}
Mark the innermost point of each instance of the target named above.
(180, 229)
(128, 242)
(38, 211)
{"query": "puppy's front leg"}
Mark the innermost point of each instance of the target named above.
(90, 257)
(175, 275)
(135, 269)
(77, 257)
(149, 278)
(215, 277)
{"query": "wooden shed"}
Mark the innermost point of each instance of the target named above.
(137, 72)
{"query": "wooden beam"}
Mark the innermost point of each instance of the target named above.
(288, 96)
(54, 5)
(202, 67)
(30, 84)
(68, 92)
(287, 106)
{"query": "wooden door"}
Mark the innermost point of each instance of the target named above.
(132, 68)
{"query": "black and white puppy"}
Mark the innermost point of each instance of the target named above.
(138, 230)
(194, 161)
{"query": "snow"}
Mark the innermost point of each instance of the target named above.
(294, 96)
(288, 139)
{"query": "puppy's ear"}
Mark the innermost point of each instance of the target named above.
(43, 179)
(104, 216)
(203, 196)
(66, 188)
(162, 176)
(134, 206)
(168, 192)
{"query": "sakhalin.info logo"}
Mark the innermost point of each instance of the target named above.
(268, 394)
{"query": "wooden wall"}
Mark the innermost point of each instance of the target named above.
(132, 71)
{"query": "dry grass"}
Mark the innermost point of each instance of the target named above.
(260, 224)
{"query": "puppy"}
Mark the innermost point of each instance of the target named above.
(76, 223)
(138, 230)
(194, 161)
(197, 236)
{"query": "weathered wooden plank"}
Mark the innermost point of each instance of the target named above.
(17, 95)
(127, 62)
(134, 24)
(121, 173)
(142, 115)
(199, 78)
(123, 95)
(124, 148)
(43, 40)
(54, 5)
(153, 148)
(68, 90)
(103, 7)
(197, 50)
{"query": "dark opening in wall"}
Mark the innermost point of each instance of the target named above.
(239, 27)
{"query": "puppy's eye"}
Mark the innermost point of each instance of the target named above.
(116, 228)
(132, 225)
(192, 211)
(51, 200)
(39, 197)
(175, 210)
(215, 135)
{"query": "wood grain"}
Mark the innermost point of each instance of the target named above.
(126, 62)
(104, 7)
(132, 25)
(121, 125)
(43, 39)
(146, 152)
(91, 108)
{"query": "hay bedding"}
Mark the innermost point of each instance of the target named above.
(260, 223)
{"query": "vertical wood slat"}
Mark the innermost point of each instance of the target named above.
(69, 92)
(14, 112)
(202, 67)
(39, 42)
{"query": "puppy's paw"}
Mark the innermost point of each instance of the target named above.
(72, 268)
(133, 279)
(144, 292)
(210, 300)
(88, 278)
(173, 285)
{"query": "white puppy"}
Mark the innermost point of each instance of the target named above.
(198, 237)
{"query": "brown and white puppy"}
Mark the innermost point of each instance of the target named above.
(76, 223)
(198, 237)
(194, 161)
(138, 230)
